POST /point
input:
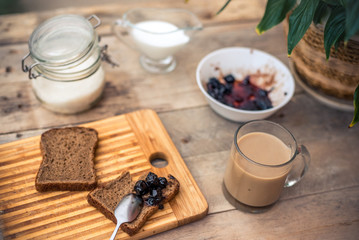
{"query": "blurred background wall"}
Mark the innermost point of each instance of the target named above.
(20, 6)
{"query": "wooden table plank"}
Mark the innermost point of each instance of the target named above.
(128, 87)
(17, 28)
(205, 144)
(328, 215)
(333, 147)
(307, 119)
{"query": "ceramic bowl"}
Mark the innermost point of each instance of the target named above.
(240, 62)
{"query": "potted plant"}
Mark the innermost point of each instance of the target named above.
(327, 52)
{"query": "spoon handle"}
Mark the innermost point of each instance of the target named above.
(116, 229)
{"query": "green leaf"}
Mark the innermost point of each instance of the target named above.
(352, 18)
(321, 13)
(336, 44)
(334, 28)
(342, 2)
(356, 107)
(224, 6)
(275, 12)
(335, 2)
(299, 22)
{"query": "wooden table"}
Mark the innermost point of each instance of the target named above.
(324, 205)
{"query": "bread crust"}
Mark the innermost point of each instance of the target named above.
(47, 166)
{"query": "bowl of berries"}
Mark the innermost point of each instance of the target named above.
(243, 84)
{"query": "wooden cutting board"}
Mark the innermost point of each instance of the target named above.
(126, 142)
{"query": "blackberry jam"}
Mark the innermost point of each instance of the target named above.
(150, 189)
(240, 94)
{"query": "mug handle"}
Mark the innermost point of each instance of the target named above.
(299, 168)
(120, 29)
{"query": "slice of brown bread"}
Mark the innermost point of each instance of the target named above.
(67, 160)
(105, 199)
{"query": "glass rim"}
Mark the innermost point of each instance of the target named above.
(73, 57)
(261, 164)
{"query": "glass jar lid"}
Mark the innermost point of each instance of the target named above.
(62, 40)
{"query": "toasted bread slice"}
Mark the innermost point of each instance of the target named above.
(67, 160)
(106, 198)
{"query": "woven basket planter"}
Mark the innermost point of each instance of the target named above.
(337, 76)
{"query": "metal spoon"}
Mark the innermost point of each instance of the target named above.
(127, 210)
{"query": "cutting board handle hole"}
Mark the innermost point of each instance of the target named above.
(158, 160)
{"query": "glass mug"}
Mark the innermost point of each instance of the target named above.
(264, 158)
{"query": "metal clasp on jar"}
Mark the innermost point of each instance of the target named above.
(96, 18)
(26, 68)
(106, 57)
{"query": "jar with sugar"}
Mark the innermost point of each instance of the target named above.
(66, 70)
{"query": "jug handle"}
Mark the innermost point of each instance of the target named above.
(299, 168)
(119, 28)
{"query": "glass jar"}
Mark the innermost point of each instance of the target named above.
(67, 74)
